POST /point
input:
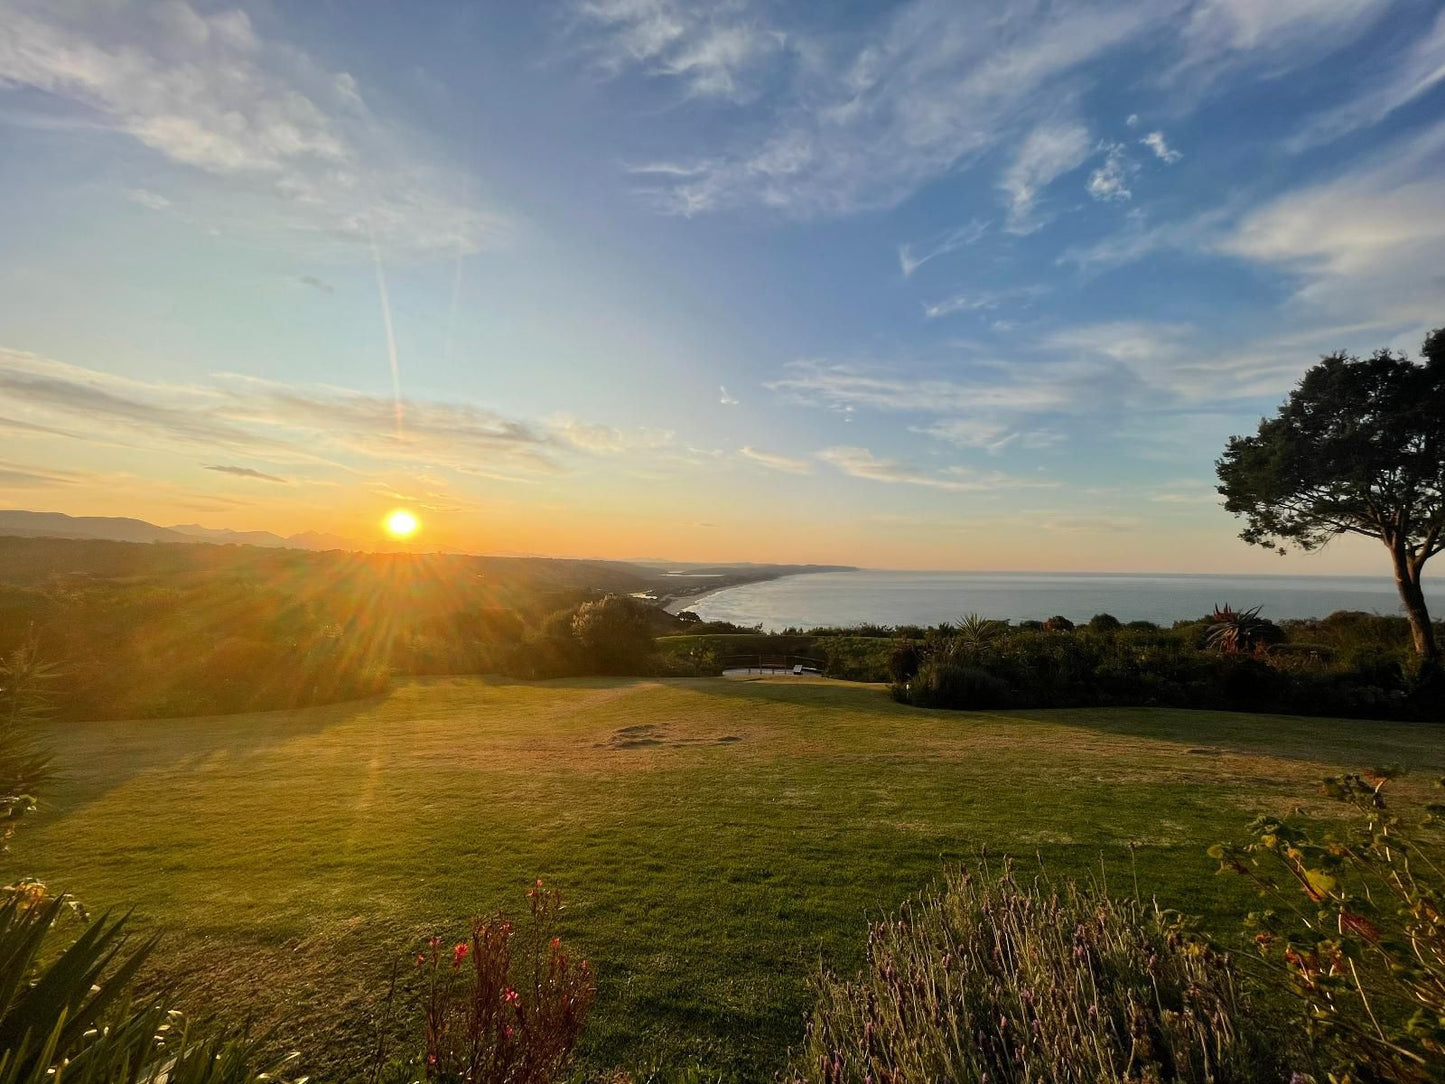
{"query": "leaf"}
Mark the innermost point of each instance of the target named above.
(1321, 884)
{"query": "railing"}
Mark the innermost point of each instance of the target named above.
(765, 662)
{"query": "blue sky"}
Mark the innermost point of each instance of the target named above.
(924, 284)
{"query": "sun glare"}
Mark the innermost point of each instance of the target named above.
(401, 524)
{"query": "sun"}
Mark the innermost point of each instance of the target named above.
(401, 524)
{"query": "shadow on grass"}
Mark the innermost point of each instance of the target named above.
(1358, 742)
(94, 758)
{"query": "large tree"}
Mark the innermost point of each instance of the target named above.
(1358, 448)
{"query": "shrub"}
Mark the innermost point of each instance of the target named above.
(1355, 929)
(503, 1008)
(991, 980)
(1104, 623)
(903, 663)
(72, 1015)
(962, 688)
(1058, 623)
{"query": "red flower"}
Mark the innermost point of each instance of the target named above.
(459, 953)
(434, 943)
(511, 997)
(420, 960)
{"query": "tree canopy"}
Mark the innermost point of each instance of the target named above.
(1358, 448)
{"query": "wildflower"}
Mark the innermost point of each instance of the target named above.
(434, 943)
(459, 953)
(511, 997)
(556, 943)
(420, 960)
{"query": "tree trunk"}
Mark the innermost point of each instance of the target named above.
(1407, 580)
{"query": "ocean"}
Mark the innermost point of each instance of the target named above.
(926, 598)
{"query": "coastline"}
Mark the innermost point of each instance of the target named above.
(675, 604)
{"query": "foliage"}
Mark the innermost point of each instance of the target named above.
(1371, 676)
(1240, 632)
(943, 684)
(504, 1008)
(903, 663)
(614, 633)
(972, 629)
(1355, 928)
(1358, 448)
(75, 1015)
(992, 980)
(1104, 623)
(1058, 623)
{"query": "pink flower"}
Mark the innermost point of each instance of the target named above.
(459, 953)
(511, 997)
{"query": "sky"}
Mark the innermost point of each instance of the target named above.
(939, 285)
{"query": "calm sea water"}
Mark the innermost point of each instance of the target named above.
(925, 598)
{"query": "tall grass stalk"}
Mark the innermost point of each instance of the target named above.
(991, 980)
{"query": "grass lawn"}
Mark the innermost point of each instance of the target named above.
(714, 838)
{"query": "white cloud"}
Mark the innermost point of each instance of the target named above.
(911, 258)
(1139, 239)
(717, 51)
(931, 87)
(1365, 244)
(1047, 153)
(845, 387)
(773, 461)
(1132, 120)
(146, 198)
(980, 301)
(724, 398)
(296, 147)
(281, 423)
(605, 439)
(1110, 182)
(862, 463)
(1404, 80)
(1279, 34)
(1155, 142)
(990, 435)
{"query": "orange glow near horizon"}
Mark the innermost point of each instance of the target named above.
(401, 524)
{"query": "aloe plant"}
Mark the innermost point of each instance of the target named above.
(74, 1018)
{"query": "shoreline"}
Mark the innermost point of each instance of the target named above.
(675, 604)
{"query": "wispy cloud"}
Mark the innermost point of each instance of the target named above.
(245, 472)
(146, 198)
(1110, 182)
(912, 257)
(862, 463)
(931, 87)
(989, 434)
(1365, 243)
(774, 461)
(295, 143)
(846, 386)
(1404, 80)
(1047, 153)
(315, 426)
(724, 398)
(605, 439)
(980, 300)
(715, 50)
(25, 476)
(1156, 142)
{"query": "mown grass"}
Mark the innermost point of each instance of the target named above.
(714, 838)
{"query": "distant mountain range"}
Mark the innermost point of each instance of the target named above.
(16, 521)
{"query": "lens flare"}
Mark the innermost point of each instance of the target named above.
(401, 524)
